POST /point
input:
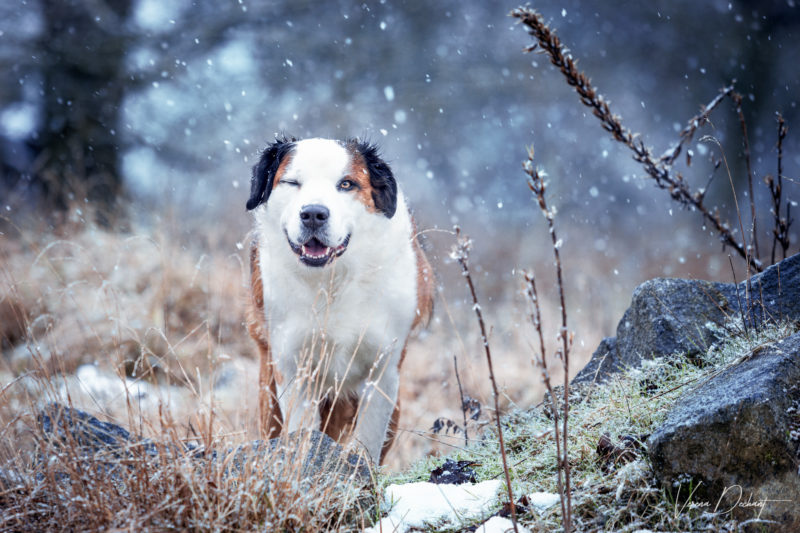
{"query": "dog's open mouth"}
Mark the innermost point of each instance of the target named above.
(316, 253)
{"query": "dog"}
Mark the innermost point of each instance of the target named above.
(338, 283)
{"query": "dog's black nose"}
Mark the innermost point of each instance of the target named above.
(314, 215)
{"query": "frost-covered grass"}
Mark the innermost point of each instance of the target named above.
(607, 496)
(62, 488)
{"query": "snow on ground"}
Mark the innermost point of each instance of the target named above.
(417, 505)
(92, 386)
(423, 504)
(105, 387)
(542, 501)
(498, 524)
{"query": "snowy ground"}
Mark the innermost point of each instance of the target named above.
(424, 505)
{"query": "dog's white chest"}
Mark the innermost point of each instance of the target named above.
(345, 323)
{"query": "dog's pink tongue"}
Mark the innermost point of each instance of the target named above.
(314, 247)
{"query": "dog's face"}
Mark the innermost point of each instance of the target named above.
(320, 191)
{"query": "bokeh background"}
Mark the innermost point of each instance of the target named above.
(128, 129)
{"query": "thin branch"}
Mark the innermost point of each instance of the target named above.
(463, 403)
(738, 299)
(687, 133)
(461, 254)
(748, 287)
(737, 100)
(780, 230)
(541, 362)
(538, 186)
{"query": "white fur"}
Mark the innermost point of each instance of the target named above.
(340, 327)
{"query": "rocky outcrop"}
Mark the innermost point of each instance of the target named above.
(733, 439)
(729, 444)
(670, 316)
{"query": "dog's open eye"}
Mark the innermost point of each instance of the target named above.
(346, 185)
(293, 183)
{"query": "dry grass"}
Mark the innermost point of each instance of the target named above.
(136, 329)
(164, 485)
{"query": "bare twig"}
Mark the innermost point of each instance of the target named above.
(658, 169)
(687, 133)
(737, 100)
(780, 231)
(748, 295)
(461, 254)
(541, 362)
(463, 403)
(738, 300)
(538, 186)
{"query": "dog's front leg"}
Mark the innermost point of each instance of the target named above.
(298, 405)
(379, 397)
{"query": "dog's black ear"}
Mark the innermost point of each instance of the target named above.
(384, 186)
(264, 171)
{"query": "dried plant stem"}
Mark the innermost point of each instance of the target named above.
(658, 170)
(687, 134)
(541, 362)
(739, 300)
(780, 230)
(737, 100)
(461, 254)
(461, 397)
(748, 287)
(538, 186)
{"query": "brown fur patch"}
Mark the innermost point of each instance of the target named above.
(270, 420)
(337, 418)
(425, 284)
(360, 175)
(391, 432)
(281, 170)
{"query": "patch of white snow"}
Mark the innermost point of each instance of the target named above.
(498, 524)
(417, 505)
(541, 501)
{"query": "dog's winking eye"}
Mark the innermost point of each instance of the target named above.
(293, 183)
(346, 185)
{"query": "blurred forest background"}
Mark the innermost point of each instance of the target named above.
(125, 122)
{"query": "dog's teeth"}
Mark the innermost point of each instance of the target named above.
(327, 250)
(303, 250)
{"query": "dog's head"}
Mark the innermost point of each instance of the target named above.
(320, 191)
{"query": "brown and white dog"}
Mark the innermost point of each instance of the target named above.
(338, 283)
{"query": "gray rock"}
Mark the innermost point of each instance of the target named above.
(735, 432)
(604, 362)
(315, 453)
(669, 316)
(779, 289)
(63, 424)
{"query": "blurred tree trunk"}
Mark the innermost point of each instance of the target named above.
(83, 48)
